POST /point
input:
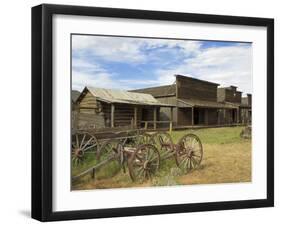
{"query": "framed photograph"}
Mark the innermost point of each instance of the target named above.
(145, 112)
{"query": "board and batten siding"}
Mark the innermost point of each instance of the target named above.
(229, 94)
(188, 88)
(165, 113)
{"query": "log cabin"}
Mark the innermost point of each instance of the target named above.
(108, 108)
(74, 107)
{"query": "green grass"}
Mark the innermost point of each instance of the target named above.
(226, 159)
(223, 135)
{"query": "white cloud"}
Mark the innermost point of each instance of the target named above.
(82, 79)
(120, 49)
(85, 65)
(228, 65)
(111, 49)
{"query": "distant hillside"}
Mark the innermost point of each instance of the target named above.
(74, 95)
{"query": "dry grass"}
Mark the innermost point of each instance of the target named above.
(227, 159)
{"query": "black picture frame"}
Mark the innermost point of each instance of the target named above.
(42, 111)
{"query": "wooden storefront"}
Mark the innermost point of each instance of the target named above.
(196, 101)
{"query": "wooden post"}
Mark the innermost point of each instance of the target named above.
(224, 116)
(135, 117)
(192, 116)
(154, 117)
(112, 115)
(206, 116)
(171, 127)
(171, 119)
(145, 125)
(238, 118)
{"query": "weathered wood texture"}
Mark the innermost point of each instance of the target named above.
(229, 94)
(123, 114)
(245, 115)
(160, 91)
(188, 88)
(212, 116)
(88, 101)
(165, 113)
(228, 116)
(89, 119)
(247, 100)
(184, 116)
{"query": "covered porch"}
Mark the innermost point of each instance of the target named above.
(204, 113)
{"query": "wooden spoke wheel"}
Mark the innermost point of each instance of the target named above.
(145, 138)
(82, 144)
(144, 162)
(189, 152)
(164, 143)
(109, 159)
(108, 149)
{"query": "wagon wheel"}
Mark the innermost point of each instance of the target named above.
(189, 152)
(144, 162)
(164, 143)
(108, 149)
(82, 144)
(145, 138)
(110, 157)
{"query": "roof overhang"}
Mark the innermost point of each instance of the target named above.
(203, 104)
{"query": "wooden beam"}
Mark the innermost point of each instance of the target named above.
(112, 115)
(154, 117)
(135, 116)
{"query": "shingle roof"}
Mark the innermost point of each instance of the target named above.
(121, 96)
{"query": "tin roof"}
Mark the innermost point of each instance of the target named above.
(125, 97)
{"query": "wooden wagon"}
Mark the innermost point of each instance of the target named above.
(139, 151)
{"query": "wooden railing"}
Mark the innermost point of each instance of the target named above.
(154, 123)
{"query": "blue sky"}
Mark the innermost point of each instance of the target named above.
(131, 63)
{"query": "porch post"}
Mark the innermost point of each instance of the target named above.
(135, 116)
(224, 116)
(171, 114)
(112, 115)
(238, 116)
(192, 116)
(154, 117)
(171, 119)
(206, 116)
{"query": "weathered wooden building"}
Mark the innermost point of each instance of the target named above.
(101, 108)
(246, 109)
(232, 97)
(74, 107)
(229, 96)
(195, 100)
